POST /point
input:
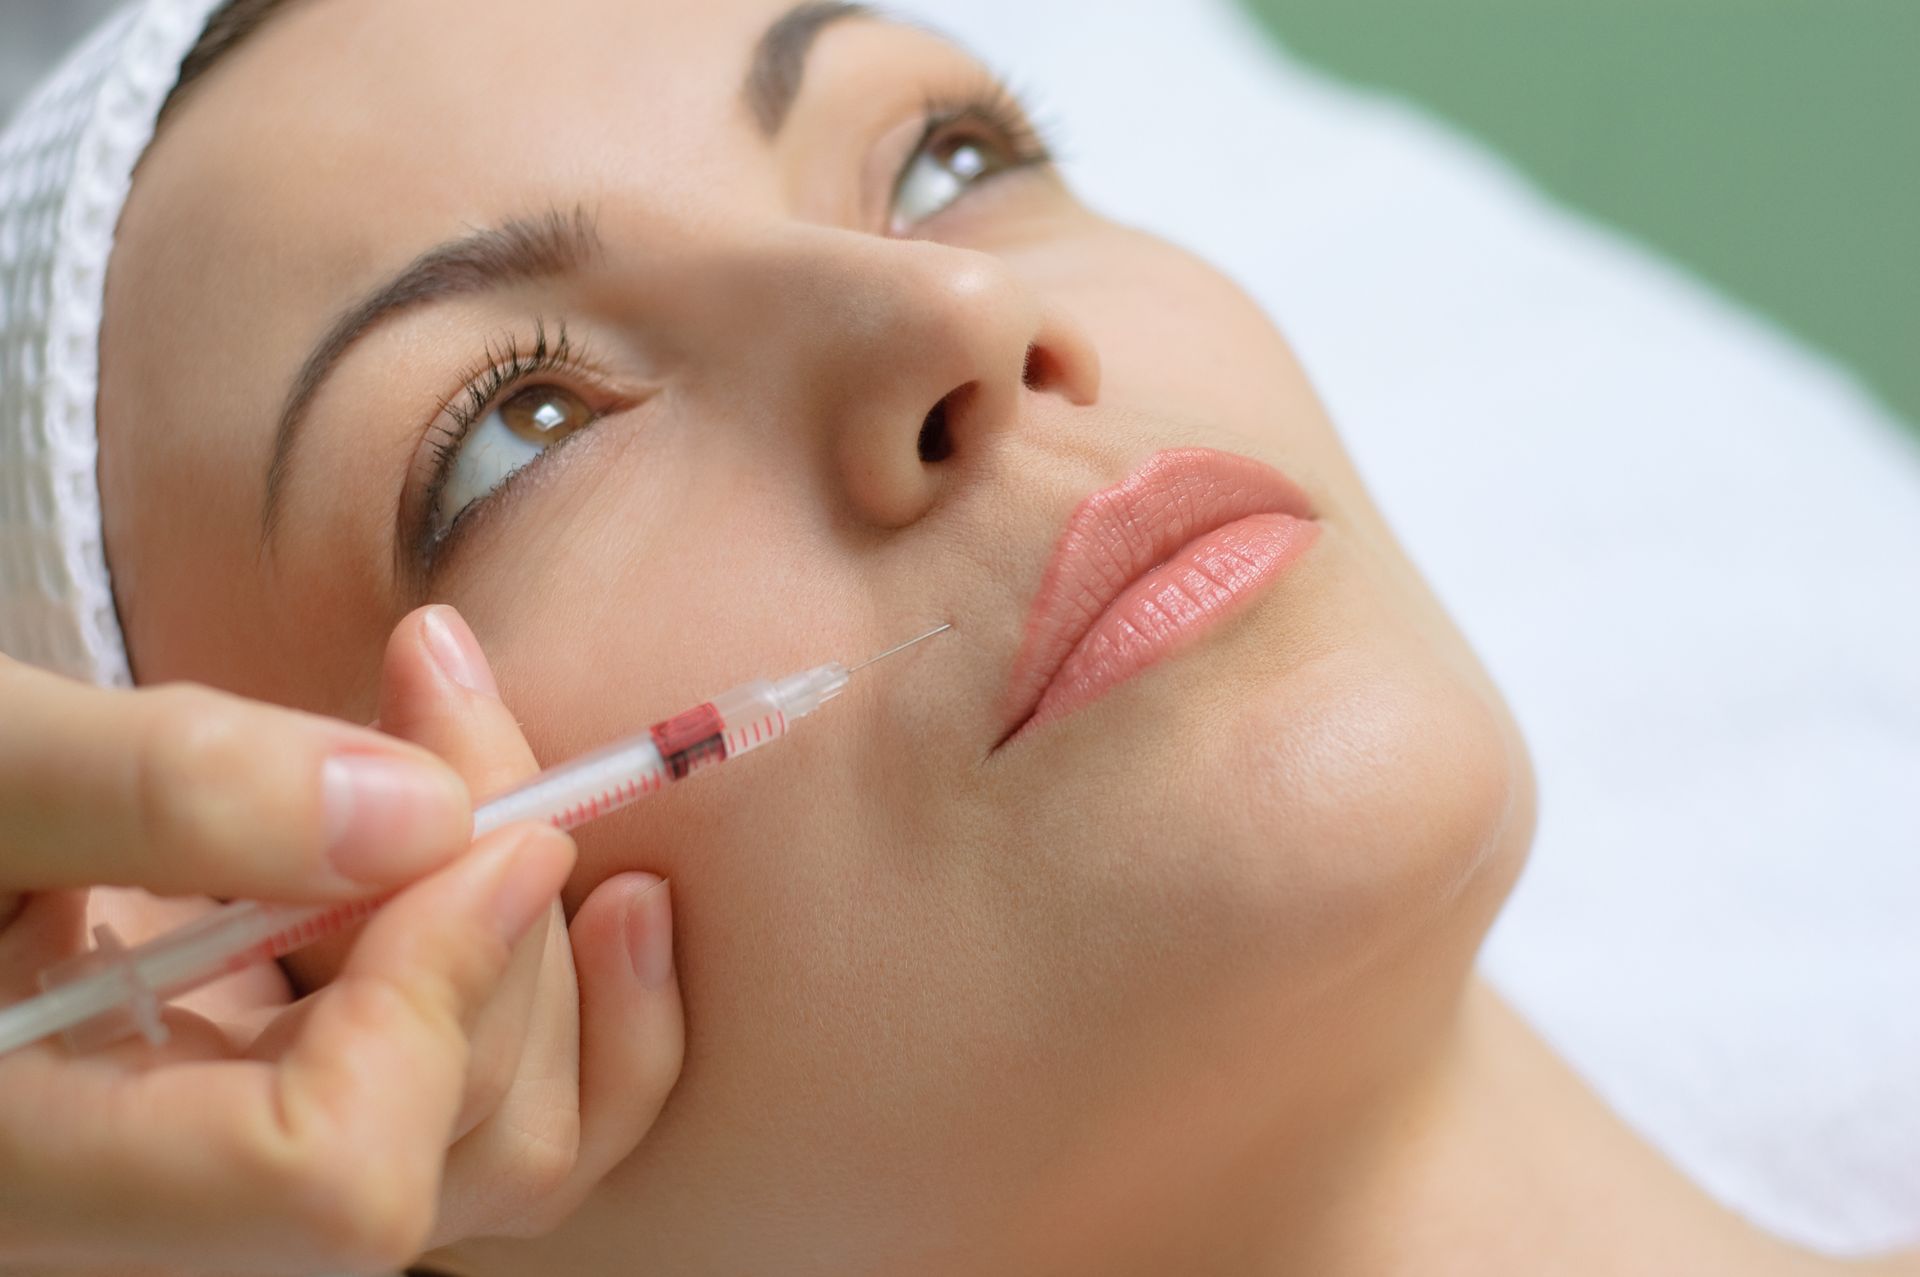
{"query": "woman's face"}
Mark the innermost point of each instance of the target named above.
(928, 980)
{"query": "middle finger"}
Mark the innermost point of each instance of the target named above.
(503, 1171)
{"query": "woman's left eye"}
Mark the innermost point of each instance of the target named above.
(513, 433)
(955, 155)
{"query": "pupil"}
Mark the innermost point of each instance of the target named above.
(541, 415)
(967, 161)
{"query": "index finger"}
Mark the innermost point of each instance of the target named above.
(182, 790)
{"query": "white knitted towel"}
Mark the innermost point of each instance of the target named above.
(66, 164)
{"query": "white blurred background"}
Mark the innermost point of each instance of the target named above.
(35, 33)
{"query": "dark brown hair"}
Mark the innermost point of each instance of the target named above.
(229, 26)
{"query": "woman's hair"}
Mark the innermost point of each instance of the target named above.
(230, 24)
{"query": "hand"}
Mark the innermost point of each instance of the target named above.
(355, 1127)
(576, 1050)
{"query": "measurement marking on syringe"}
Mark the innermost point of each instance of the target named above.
(104, 994)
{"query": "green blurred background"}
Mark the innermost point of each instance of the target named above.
(1773, 146)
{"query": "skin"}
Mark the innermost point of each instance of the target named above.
(1182, 981)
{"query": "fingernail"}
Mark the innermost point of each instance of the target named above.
(528, 885)
(383, 813)
(457, 652)
(650, 933)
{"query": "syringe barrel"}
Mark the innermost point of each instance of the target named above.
(577, 792)
(235, 937)
(747, 717)
(743, 718)
(753, 714)
(110, 992)
(137, 981)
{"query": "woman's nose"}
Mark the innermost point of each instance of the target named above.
(908, 356)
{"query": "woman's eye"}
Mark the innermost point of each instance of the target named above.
(514, 432)
(941, 170)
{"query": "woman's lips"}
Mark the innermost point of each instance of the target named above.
(1145, 568)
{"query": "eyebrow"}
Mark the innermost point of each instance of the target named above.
(780, 58)
(526, 250)
(516, 251)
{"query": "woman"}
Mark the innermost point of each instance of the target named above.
(676, 343)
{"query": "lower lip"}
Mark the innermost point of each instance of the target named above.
(1206, 581)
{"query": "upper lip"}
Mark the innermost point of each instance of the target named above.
(1116, 535)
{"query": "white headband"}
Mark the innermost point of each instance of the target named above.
(66, 164)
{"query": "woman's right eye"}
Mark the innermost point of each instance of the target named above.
(513, 434)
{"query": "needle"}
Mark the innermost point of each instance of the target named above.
(901, 647)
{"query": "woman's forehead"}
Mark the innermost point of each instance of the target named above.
(346, 128)
(373, 88)
(348, 135)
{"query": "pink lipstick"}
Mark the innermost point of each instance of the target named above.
(1145, 568)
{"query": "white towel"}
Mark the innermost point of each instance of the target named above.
(1687, 548)
(66, 163)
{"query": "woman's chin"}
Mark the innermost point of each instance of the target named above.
(1317, 787)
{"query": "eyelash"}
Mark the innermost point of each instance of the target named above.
(505, 368)
(992, 107)
(1000, 111)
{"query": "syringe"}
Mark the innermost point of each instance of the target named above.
(114, 992)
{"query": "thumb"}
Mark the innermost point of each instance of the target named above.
(437, 691)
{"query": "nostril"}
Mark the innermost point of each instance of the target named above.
(936, 441)
(1033, 370)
